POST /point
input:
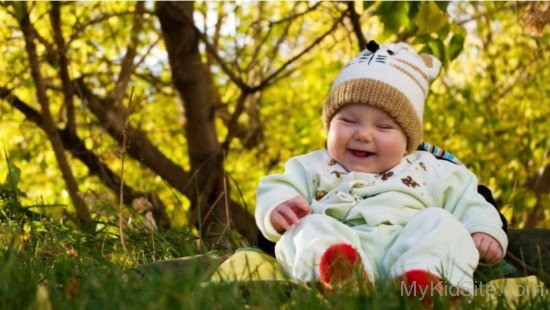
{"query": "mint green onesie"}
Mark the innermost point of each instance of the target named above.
(418, 215)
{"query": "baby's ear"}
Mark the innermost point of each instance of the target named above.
(432, 65)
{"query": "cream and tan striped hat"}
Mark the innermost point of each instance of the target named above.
(392, 77)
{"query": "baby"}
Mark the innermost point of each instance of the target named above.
(370, 200)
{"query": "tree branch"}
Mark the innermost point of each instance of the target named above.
(95, 165)
(127, 65)
(294, 16)
(79, 28)
(51, 130)
(276, 47)
(68, 92)
(232, 124)
(140, 148)
(511, 6)
(257, 32)
(223, 65)
(356, 24)
(268, 81)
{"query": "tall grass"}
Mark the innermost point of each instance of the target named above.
(51, 264)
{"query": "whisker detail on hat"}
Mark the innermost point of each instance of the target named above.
(415, 68)
(381, 59)
(424, 91)
(371, 57)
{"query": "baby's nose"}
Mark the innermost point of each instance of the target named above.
(364, 134)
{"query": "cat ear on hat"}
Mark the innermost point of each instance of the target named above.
(433, 65)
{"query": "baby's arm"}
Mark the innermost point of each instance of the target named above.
(481, 219)
(488, 247)
(289, 212)
(276, 190)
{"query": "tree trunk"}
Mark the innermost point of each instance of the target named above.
(213, 212)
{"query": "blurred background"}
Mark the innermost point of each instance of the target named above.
(164, 116)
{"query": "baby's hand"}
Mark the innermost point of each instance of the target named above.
(289, 212)
(489, 249)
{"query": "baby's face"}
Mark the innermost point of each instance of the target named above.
(365, 139)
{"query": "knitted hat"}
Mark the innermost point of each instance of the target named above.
(391, 77)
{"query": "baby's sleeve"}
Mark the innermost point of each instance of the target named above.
(461, 198)
(277, 188)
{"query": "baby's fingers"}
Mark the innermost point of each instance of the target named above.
(300, 206)
(488, 248)
(289, 215)
(493, 252)
(279, 222)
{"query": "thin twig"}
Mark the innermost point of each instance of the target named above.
(210, 210)
(269, 80)
(294, 16)
(127, 67)
(527, 270)
(122, 156)
(233, 122)
(514, 6)
(226, 195)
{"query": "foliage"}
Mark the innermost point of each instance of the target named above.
(270, 66)
(9, 191)
(489, 109)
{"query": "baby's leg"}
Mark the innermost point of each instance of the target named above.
(436, 242)
(300, 249)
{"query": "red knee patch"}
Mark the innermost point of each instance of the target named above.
(419, 277)
(339, 262)
(421, 284)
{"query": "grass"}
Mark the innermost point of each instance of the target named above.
(61, 268)
(51, 264)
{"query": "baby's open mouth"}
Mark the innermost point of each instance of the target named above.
(361, 153)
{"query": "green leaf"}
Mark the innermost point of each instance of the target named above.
(393, 15)
(37, 226)
(414, 8)
(14, 175)
(19, 11)
(424, 38)
(367, 4)
(438, 49)
(455, 46)
(411, 15)
(426, 49)
(442, 5)
(430, 18)
(444, 31)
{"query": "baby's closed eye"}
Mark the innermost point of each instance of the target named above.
(348, 120)
(386, 125)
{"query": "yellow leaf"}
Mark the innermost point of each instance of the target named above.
(42, 300)
(249, 266)
(19, 241)
(430, 18)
